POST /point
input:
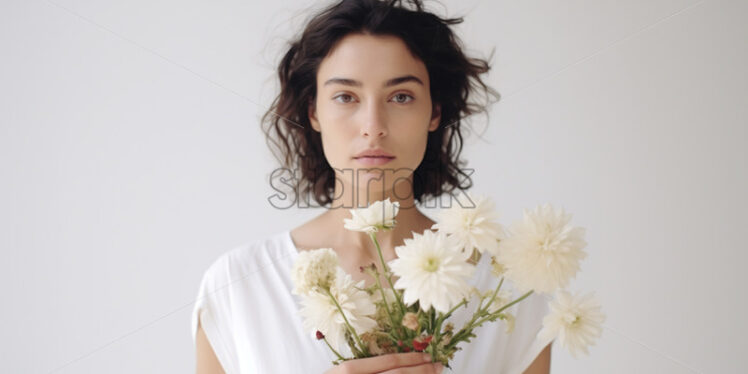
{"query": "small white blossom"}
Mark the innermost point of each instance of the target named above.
(576, 320)
(319, 311)
(312, 269)
(380, 215)
(472, 220)
(543, 251)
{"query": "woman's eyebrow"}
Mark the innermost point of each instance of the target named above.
(389, 83)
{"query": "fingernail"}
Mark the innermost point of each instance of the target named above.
(426, 358)
(439, 368)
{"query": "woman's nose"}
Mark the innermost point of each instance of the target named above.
(374, 122)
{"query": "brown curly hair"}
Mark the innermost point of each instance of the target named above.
(453, 76)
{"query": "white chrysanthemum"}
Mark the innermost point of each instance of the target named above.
(380, 215)
(474, 224)
(542, 252)
(576, 320)
(315, 268)
(432, 270)
(319, 311)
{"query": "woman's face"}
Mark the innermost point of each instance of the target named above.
(373, 94)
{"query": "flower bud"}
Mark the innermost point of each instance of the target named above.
(449, 327)
(497, 269)
(410, 320)
(509, 320)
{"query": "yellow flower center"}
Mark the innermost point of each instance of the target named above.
(431, 265)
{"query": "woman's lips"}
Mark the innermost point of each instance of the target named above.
(374, 160)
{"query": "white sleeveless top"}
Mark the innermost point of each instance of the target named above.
(251, 318)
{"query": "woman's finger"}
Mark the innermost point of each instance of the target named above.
(435, 368)
(378, 364)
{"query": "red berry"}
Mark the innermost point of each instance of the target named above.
(320, 335)
(420, 343)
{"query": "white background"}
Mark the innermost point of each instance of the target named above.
(131, 157)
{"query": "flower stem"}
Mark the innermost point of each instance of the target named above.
(513, 302)
(480, 317)
(386, 270)
(463, 302)
(348, 324)
(386, 303)
(493, 296)
(333, 350)
(483, 319)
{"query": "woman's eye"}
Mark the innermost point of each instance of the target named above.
(399, 98)
(342, 95)
(404, 95)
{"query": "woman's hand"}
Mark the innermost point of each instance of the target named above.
(394, 363)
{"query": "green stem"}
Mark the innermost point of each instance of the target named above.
(442, 318)
(386, 303)
(386, 270)
(463, 302)
(510, 304)
(477, 322)
(432, 320)
(493, 296)
(348, 324)
(333, 350)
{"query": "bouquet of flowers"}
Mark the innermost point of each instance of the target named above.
(540, 253)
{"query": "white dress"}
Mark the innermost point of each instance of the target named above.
(251, 319)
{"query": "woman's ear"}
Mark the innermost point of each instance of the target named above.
(313, 115)
(436, 117)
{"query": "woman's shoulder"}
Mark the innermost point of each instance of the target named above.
(253, 255)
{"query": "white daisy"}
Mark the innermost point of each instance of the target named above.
(312, 269)
(575, 319)
(542, 252)
(473, 221)
(432, 270)
(319, 311)
(380, 215)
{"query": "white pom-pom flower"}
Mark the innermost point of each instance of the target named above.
(432, 270)
(380, 215)
(472, 220)
(319, 311)
(576, 320)
(542, 251)
(312, 269)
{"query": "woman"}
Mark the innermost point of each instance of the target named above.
(371, 99)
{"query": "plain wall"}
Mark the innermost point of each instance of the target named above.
(131, 157)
